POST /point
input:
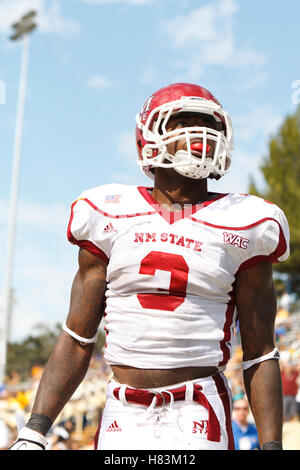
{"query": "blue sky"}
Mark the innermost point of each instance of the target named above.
(92, 65)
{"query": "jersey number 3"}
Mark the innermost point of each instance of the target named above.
(176, 265)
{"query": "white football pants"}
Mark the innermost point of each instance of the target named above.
(179, 425)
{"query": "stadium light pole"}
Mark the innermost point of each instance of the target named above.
(22, 30)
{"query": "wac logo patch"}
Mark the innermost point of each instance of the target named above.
(236, 240)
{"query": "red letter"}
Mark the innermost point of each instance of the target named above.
(150, 237)
(197, 246)
(189, 241)
(173, 237)
(139, 237)
(180, 241)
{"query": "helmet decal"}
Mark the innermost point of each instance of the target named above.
(145, 109)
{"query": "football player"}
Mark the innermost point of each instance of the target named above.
(175, 266)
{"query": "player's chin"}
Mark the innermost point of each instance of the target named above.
(176, 177)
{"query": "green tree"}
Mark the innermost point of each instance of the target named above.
(281, 172)
(36, 349)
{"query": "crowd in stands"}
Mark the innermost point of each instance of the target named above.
(78, 422)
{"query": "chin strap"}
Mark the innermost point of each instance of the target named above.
(271, 355)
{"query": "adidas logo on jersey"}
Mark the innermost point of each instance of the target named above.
(113, 427)
(109, 228)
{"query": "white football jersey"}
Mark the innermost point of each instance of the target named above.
(170, 299)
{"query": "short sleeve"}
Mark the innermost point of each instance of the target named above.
(271, 240)
(276, 237)
(89, 228)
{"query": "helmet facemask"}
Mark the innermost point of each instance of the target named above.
(213, 160)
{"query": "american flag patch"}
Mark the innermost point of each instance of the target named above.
(114, 198)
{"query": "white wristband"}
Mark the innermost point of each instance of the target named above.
(80, 338)
(271, 355)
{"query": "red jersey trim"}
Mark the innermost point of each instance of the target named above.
(225, 227)
(172, 217)
(112, 216)
(86, 244)
(224, 344)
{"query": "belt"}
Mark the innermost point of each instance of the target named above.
(146, 397)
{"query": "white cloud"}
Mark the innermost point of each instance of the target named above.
(51, 218)
(253, 81)
(50, 18)
(197, 25)
(244, 164)
(207, 23)
(258, 124)
(247, 56)
(252, 130)
(206, 38)
(129, 171)
(127, 145)
(228, 7)
(99, 82)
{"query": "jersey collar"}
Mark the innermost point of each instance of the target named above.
(172, 217)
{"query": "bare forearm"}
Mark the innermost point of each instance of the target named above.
(264, 391)
(63, 373)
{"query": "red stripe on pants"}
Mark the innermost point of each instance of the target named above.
(223, 393)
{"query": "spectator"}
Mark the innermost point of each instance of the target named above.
(285, 354)
(69, 425)
(16, 397)
(238, 389)
(298, 393)
(295, 350)
(282, 323)
(285, 301)
(289, 376)
(244, 433)
(4, 435)
(59, 439)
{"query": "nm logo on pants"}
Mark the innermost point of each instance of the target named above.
(200, 427)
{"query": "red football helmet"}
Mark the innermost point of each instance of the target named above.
(152, 137)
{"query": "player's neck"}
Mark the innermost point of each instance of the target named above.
(171, 188)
